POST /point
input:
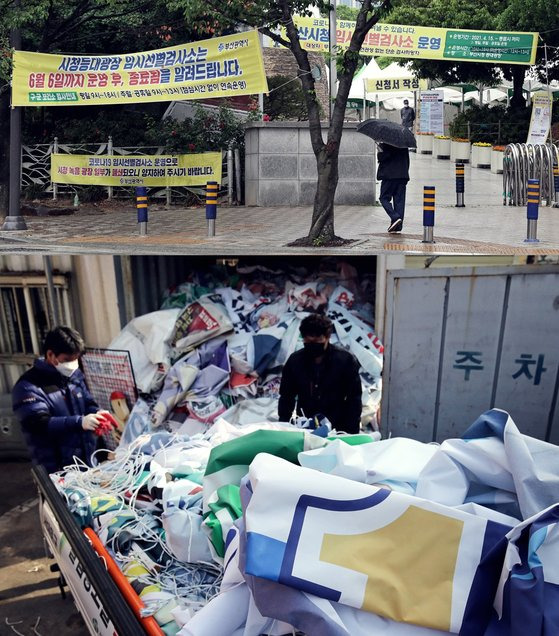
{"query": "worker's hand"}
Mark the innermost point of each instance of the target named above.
(91, 422)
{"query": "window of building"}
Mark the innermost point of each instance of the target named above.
(26, 311)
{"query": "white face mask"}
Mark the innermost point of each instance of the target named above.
(67, 368)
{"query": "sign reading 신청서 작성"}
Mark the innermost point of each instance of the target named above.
(220, 67)
(394, 84)
(418, 42)
(136, 170)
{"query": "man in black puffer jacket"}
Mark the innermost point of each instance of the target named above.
(57, 412)
(321, 378)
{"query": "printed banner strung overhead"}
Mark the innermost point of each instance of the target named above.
(140, 170)
(220, 67)
(394, 84)
(417, 42)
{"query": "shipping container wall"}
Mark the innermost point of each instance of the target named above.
(464, 340)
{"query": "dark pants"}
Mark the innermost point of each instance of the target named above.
(393, 197)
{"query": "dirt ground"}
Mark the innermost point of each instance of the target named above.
(30, 600)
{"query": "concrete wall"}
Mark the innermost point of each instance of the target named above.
(280, 166)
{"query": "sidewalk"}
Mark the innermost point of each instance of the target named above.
(484, 226)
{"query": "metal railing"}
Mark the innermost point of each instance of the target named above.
(490, 132)
(522, 162)
(35, 171)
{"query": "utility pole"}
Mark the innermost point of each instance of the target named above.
(14, 220)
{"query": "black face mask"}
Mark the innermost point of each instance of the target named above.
(314, 349)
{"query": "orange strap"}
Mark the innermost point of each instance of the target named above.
(149, 623)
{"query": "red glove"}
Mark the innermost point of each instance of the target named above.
(106, 425)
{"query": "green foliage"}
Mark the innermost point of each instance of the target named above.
(91, 194)
(497, 125)
(5, 60)
(477, 14)
(205, 132)
(285, 100)
(346, 13)
(34, 191)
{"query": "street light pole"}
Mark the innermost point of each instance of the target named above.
(332, 17)
(14, 220)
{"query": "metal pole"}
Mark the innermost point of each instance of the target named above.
(332, 50)
(237, 157)
(230, 176)
(550, 96)
(428, 213)
(532, 211)
(142, 206)
(211, 205)
(50, 290)
(110, 152)
(14, 220)
(460, 185)
(54, 184)
(261, 95)
(167, 197)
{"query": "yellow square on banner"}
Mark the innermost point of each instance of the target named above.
(221, 67)
(408, 581)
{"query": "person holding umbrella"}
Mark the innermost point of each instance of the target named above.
(393, 173)
(393, 165)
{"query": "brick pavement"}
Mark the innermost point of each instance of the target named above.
(485, 226)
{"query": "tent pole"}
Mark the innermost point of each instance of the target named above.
(550, 96)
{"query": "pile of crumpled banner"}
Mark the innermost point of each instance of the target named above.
(217, 346)
(245, 530)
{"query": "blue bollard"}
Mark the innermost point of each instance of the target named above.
(142, 207)
(556, 185)
(532, 208)
(428, 213)
(211, 205)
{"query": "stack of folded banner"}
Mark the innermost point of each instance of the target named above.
(270, 529)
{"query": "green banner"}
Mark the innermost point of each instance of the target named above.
(487, 46)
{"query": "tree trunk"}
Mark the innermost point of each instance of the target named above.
(517, 99)
(322, 224)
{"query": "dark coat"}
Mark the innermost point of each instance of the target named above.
(50, 408)
(393, 163)
(332, 388)
(407, 115)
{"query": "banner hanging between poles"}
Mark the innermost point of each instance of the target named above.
(220, 67)
(418, 42)
(136, 170)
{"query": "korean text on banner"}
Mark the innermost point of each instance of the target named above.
(140, 170)
(393, 84)
(418, 42)
(540, 122)
(220, 67)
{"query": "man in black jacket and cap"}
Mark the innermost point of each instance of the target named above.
(393, 172)
(321, 378)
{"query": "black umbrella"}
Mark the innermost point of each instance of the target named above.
(387, 132)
